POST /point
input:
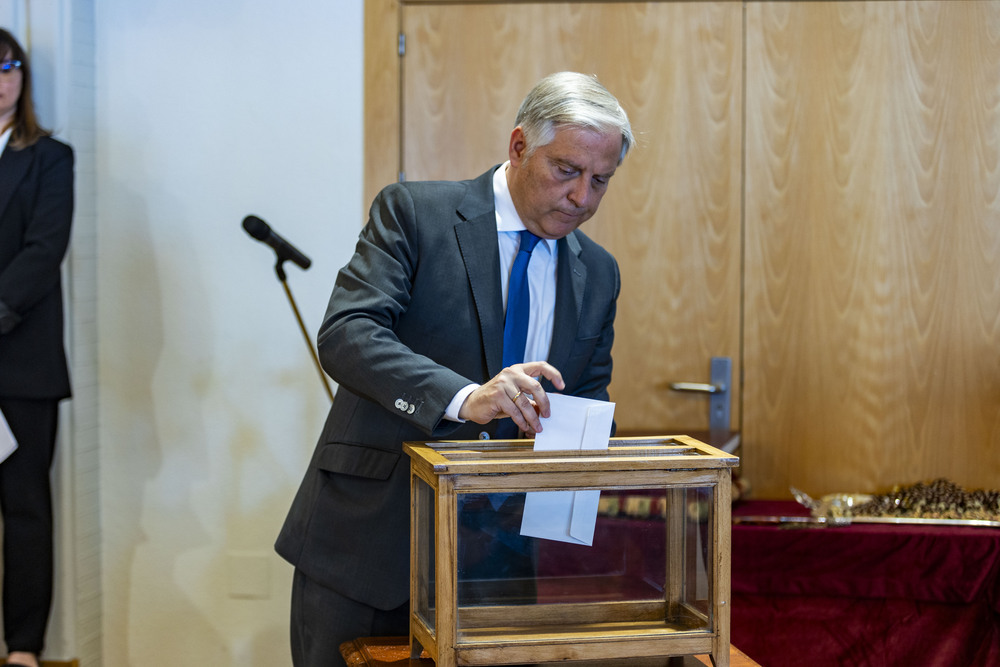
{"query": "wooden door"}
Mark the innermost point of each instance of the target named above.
(672, 214)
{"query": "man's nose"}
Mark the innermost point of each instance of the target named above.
(580, 193)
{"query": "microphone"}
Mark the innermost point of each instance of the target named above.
(260, 230)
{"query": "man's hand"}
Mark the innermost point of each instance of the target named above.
(516, 393)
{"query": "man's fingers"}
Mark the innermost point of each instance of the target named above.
(525, 378)
(525, 413)
(544, 369)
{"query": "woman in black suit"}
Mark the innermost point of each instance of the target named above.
(36, 208)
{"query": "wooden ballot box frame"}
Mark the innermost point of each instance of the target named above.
(675, 464)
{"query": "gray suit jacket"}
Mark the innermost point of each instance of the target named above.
(415, 316)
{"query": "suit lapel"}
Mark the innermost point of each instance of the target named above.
(14, 165)
(571, 280)
(477, 241)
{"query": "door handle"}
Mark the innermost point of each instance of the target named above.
(697, 387)
(717, 389)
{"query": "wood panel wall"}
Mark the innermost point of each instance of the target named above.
(872, 309)
(866, 192)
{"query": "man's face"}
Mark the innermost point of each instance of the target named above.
(559, 186)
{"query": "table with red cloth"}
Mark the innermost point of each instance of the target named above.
(863, 595)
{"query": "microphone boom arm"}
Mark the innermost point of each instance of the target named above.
(302, 326)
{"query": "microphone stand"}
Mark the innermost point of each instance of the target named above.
(280, 270)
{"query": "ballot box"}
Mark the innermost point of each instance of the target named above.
(520, 556)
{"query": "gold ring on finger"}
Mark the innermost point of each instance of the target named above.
(516, 396)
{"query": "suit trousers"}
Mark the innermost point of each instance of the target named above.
(26, 504)
(322, 619)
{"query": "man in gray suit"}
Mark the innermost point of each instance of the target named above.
(414, 335)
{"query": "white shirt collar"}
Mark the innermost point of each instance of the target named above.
(5, 137)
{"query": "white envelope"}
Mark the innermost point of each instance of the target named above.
(576, 423)
(568, 516)
(7, 442)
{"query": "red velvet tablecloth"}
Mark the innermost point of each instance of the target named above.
(865, 595)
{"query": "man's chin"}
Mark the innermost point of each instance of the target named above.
(560, 225)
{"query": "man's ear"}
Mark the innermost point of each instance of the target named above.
(518, 147)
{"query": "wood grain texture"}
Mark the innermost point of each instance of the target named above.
(672, 215)
(872, 245)
(381, 114)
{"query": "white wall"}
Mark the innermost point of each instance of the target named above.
(210, 405)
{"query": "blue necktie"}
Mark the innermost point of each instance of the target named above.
(515, 328)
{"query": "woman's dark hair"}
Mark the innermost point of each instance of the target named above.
(25, 128)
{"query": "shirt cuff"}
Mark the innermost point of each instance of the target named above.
(451, 413)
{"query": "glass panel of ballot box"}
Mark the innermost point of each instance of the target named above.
(525, 557)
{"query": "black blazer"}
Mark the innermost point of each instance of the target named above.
(36, 210)
(416, 315)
